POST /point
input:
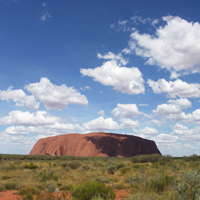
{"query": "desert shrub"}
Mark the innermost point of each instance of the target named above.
(64, 164)
(130, 179)
(2, 187)
(74, 164)
(193, 157)
(29, 190)
(92, 189)
(102, 179)
(159, 183)
(120, 165)
(97, 198)
(47, 175)
(194, 164)
(145, 158)
(28, 197)
(65, 186)
(125, 169)
(11, 166)
(85, 168)
(166, 158)
(119, 186)
(146, 196)
(11, 185)
(31, 166)
(189, 186)
(136, 165)
(111, 169)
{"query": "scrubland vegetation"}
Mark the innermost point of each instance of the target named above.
(144, 177)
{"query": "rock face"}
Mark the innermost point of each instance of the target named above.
(94, 144)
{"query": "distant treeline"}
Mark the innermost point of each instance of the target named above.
(134, 159)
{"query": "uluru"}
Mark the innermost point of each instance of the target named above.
(94, 144)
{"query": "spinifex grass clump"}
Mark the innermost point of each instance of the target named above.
(92, 189)
(47, 175)
(188, 186)
(160, 183)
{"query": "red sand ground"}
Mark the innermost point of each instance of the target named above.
(94, 144)
(12, 195)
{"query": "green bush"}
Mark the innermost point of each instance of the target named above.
(28, 197)
(159, 183)
(90, 190)
(85, 168)
(130, 179)
(31, 166)
(189, 186)
(193, 157)
(145, 158)
(111, 169)
(47, 175)
(29, 190)
(125, 169)
(145, 196)
(11, 185)
(120, 165)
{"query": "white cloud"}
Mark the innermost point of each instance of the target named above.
(175, 88)
(173, 109)
(142, 104)
(186, 134)
(165, 138)
(55, 97)
(16, 130)
(45, 16)
(128, 123)
(122, 22)
(126, 80)
(176, 46)
(138, 19)
(112, 56)
(85, 88)
(147, 131)
(29, 119)
(126, 111)
(101, 124)
(20, 98)
(101, 112)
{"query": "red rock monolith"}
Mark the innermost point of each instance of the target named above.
(94, 144)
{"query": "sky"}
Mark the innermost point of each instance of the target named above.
(74, 66)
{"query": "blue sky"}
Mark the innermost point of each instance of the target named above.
(129, 67)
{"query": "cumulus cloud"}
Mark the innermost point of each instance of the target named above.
(176, 46)
(16, 130)
(112, 56)
(55, 97)
(39, 122)
(29, 119)
(101, 124)
(175, 88)
(147, 131)
(173, 109)
(128, 123)
(126, 80)
(101, 112)
(126, 111)
(165, 138)
(186, 134)
(20, 98)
